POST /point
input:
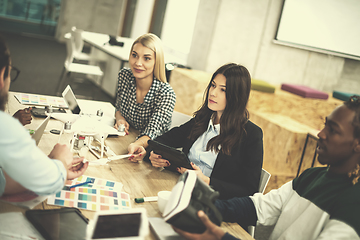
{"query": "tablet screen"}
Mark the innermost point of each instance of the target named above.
(59, 224)
(176, 157)
(117, 225)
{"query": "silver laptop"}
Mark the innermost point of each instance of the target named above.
(40, 130)
(70, 99)
(74, 106)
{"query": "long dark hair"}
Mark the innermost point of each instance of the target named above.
(235, 115)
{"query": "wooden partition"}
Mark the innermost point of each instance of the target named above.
(189, 86)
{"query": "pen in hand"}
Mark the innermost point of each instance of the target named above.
(81, 184)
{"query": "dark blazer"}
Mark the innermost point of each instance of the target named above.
(237, 175)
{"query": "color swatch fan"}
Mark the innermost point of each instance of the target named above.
(101, 194)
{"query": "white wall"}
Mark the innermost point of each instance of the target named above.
(328, 26)
(142, 18)
(178, 28)
(242, 32)
(280, 64)
(203, 34)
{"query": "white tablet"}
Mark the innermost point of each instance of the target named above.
(120, 224)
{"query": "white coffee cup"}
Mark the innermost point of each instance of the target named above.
(163, 198)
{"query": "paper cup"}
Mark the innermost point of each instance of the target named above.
(163, 197)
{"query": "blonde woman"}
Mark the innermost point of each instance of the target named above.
(144, 100)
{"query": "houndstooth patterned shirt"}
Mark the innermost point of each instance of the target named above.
(153, 116)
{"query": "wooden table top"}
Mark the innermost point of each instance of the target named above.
(138, 179)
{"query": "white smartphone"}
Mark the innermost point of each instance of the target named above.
(120, 224)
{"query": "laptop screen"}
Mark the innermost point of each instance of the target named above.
(70, 99)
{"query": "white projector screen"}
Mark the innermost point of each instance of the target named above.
(328, 26)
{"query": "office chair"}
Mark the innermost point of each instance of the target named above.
(79, 45)
(70, 66)
(264, 179)
(178, 118)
